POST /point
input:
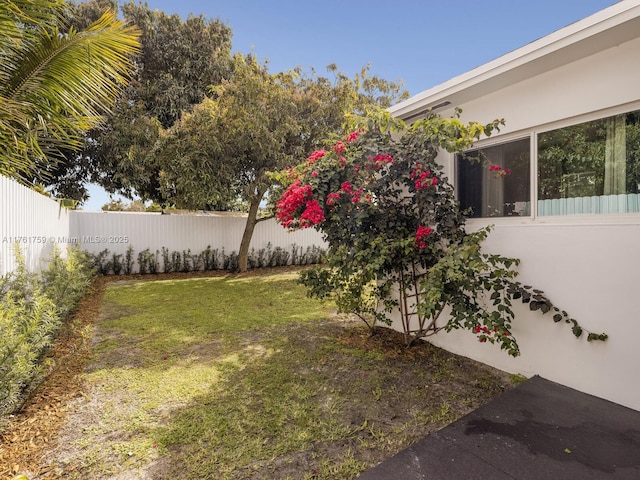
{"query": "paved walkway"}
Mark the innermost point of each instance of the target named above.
(538, 431)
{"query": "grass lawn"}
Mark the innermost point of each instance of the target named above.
(243, 377)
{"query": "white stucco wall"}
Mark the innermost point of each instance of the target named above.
(608, 79)
(589, 270)
(587, 265)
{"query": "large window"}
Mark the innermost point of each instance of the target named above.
(592, 167)
(494, 181)
(587, 168)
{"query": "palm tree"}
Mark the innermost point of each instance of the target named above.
(54, 86)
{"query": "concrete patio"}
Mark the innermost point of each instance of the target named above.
(538, 430)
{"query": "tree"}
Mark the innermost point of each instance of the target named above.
(256, 124)
(178, 61)
(53, 85)
(396, 235)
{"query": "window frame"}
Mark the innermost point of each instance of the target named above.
(532, 135)
(496, 142)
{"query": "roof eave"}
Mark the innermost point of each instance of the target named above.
(600, 31)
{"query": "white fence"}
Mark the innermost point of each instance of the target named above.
(37, 223)
(30, 220)
(116, 231)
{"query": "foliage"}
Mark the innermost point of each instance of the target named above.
(32, 309)
(66, 279)
(166, 261)
(53, 85)
(392, 222)
(255, 123)
(177, 62)
(119, 205)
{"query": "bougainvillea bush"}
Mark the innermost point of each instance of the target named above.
(396, 234)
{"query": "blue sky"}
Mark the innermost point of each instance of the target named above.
(424, 43)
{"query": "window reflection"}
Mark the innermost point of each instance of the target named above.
(592, 167)
(488, 191)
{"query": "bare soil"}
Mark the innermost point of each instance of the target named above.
(39, 438)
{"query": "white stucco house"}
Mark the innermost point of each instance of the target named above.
(570, 209)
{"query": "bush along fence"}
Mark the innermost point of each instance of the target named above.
(33, 307)
(165, 261)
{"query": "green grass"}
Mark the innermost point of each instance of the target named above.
(242, 378)
(167, 315)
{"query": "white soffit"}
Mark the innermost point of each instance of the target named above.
(607, 28)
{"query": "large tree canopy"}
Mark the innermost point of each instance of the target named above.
(178, 61)
(255, 124)
(53, 85)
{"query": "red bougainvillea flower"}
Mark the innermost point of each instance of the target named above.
(353, 136)
(356, 195)
(314, 174)
(339, 147)
(421, 233)
(346, 187)
(332, 198)
(382, 158)
(292, 199)
(315, 156)
(378, 161)
(312, 214)
(343, 161)
(423, 179)
(502, 172)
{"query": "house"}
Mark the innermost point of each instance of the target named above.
(570, 207)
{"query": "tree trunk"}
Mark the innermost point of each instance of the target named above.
(252, 219)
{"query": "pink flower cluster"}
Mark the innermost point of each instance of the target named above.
(355, 195)
(421, 233)
(378, 161)
(315, 156)
(499, 170)
(347, 188)
(332, 198)
(294, 198)
(312, 214)
(423, 179)
(339, 148)
(485, 332)
(353, 136)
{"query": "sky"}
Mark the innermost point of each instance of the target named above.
(421, 42)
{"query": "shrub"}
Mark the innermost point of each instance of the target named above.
(148, 262)
(128, 261)
(230, 262)
(32, 309)
(393, 224)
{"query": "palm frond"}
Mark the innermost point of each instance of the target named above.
(53, 87)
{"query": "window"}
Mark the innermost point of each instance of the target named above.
(590, 168)
(495, 181)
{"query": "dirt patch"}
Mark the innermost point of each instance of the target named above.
(394, 392)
